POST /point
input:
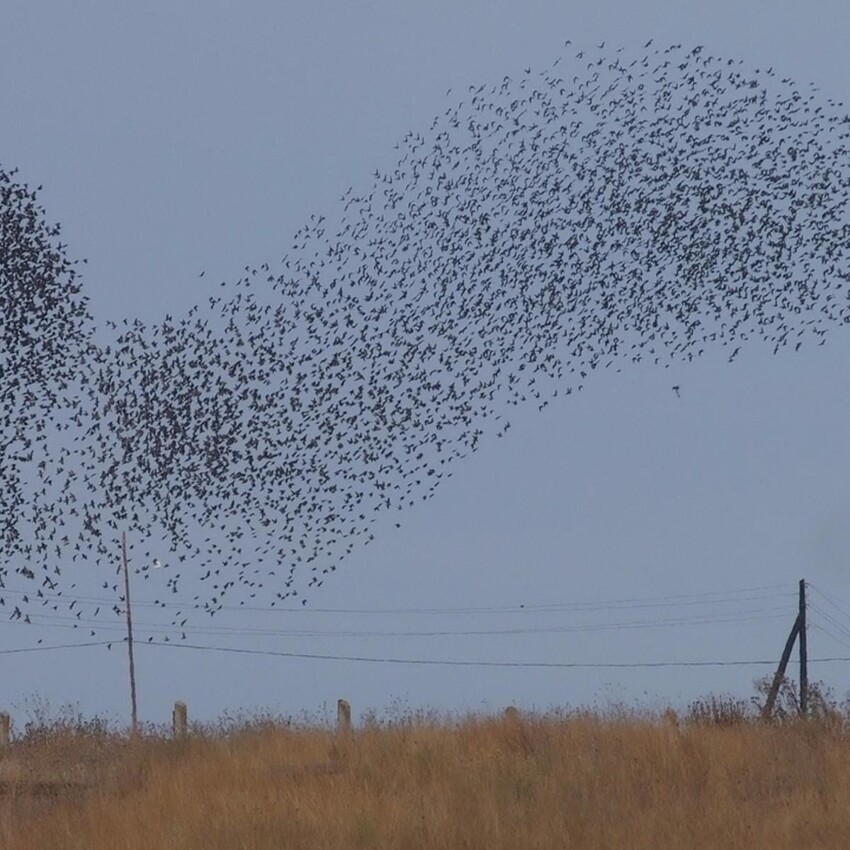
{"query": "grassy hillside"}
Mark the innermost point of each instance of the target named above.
(719, 779)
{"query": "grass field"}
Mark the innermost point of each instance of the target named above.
(716, 778)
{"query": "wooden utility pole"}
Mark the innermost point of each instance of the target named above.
(133, 713)
(804, 658)
(797, 630)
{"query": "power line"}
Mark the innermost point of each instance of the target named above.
(455, 663)
(844, 613)
(748, 594)
(57, 646)
(826, 631)
(431, 661)
(580, 627)
(750, 615)
(827, 616)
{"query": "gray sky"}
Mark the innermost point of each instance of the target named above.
(185, 136)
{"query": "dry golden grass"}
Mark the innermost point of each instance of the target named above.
(517, 782)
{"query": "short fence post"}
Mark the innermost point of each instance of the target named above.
(343, 716)
(179, 720)
(5, 726)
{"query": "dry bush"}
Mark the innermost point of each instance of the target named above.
(720, 711)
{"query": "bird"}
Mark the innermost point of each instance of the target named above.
(533, 237)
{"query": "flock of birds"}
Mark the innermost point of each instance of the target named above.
(607, 210)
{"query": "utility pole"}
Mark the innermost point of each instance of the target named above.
(797, 630)
(804, 658)
(133, 714)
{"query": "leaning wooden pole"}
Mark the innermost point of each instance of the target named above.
(804, 656)
(767, 711)
(133, 713)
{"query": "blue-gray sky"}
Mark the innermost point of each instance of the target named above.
(178, 137)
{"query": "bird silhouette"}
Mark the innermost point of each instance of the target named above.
(608, 210)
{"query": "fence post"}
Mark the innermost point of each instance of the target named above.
(5, 726)
(343, 716)
(178, 718)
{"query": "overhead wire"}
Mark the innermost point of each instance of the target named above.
(436, 662)
(829, 600)
(57, 620)
(692, 599)
(16, 650)
(478, 663)
(829, 618)
(383, 659)
(826, 631)
(147, 631)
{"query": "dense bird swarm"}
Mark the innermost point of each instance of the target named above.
(606, 210)
(45, 334)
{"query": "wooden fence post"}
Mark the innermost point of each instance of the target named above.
(5, 726)
(343, 716)
(178, 719)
